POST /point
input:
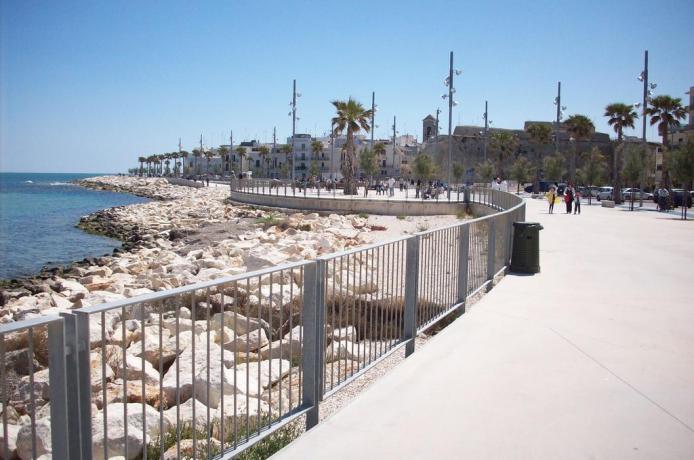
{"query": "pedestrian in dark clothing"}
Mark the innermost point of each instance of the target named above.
(568, 199)
(577, 202)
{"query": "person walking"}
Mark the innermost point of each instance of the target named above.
(391, 187)
(577, 202)
(568, 198)
(551, 197)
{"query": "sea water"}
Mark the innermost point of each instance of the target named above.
(38, 214)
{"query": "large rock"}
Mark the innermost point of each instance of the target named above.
(12, 432)
(184, 412)
(111, 318)
(260, 375)
(235, 412)
(115, 430)
(134, 370)
(344, 350)
(43, 440)
(252, 341)
(238, 323)
(153, 350)
(193, 370)
(40, 390)
(284, 349)
(262, 256)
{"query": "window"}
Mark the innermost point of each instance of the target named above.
(257, 163)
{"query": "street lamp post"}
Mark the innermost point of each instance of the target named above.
(560, 114)
(373, 118)
(394, 134)
(294, 118)
(486, 129)
(274, 147)
(451, 90)
(644, 115)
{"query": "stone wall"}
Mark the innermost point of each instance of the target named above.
(353, 206)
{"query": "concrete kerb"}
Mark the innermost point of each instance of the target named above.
(356, 206)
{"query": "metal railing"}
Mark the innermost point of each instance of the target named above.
(297, 188)
(209, 369)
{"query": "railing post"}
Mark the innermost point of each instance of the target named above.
(79, 391)
(491, 250)
(310, 350)
(509, 238)
(320, 324)
(411, 282)
(463, 256)
(58, 389)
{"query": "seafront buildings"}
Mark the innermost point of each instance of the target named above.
(471, 145)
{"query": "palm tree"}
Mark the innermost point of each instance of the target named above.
(241, 151)
(287, 150)
(620, 116)
(580, 128)
(540, 134)
(183, 154)
(197, 153)
(223, 152)
(666, 112)
(504, 143)
(141, 160)
(263, 151)
(317, 149)
(174, 156)
(353, 117)
(209, 154)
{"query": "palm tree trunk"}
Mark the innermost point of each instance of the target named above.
(616, 185)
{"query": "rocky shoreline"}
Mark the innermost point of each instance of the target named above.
(178, 218)
(183, 236)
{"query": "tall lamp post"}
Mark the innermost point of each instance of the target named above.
(560, 115)
(647, 92)
(373, 118)
(486, 129)
(394, 135)
(294, 118)
(451, 90)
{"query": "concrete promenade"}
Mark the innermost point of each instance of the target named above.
(592, 358)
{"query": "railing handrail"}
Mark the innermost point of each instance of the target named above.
(484, 250)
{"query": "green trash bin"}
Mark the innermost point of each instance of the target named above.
(525, 257)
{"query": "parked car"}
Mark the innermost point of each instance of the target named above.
(545, 186)
(627, 192)
(678, 196)
(586, 190)
(605, 193)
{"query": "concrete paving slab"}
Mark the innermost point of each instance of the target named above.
(591, 358)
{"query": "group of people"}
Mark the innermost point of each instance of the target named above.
(572, 199)
(385, 186)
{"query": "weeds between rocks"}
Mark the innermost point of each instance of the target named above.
(261, 450)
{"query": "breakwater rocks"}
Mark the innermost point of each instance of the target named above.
(187, 235)
(182, 237)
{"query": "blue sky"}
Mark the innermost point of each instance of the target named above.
(89, 86)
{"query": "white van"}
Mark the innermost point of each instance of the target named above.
(605, 193)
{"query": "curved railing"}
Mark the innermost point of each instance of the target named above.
(238, 357)
(403, 201)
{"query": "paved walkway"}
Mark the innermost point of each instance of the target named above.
(592, 358)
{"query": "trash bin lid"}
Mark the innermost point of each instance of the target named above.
(527, 225)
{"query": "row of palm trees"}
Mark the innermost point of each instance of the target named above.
(153, 165)
(352, 117)
(665, 111)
